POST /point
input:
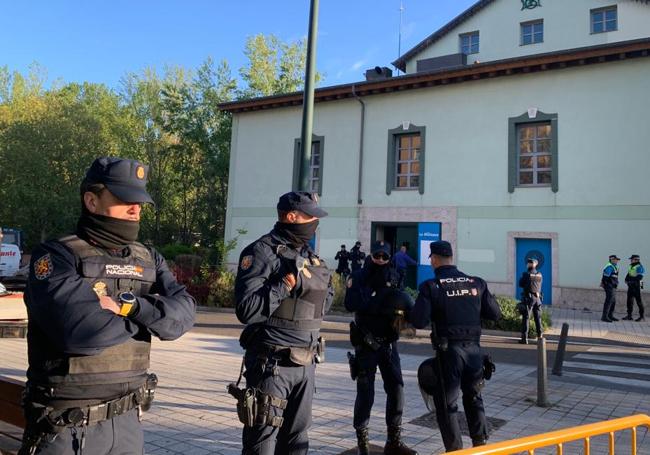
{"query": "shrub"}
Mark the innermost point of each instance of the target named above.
(511, 318)
(171, 250)
(339, 293)
(222, 290)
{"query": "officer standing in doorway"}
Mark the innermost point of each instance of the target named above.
(343, 256)
(455, 303)
(379, 308)
(634, 281)
(94, 299)
(609, 282)
(531, 299)
(357, 256)
(282, 292)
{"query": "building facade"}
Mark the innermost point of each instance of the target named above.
(520, 128)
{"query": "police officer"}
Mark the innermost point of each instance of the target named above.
(94, 299)
(609, 282)
(531, 299)
(634, 281)
(402, 261)
(282, 291)
(357, 256)
(343, 256)
(455, 303)
(378, 305)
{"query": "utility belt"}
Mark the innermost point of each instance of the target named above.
(48, 421)
(66, 415)
(363, 338)
(293, 356)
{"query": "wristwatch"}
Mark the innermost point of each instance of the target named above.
(126, 300)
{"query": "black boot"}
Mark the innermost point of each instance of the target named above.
(363, 442)
(640, 318)
(394, 444)
(524, 340)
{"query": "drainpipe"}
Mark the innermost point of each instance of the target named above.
(363, 123)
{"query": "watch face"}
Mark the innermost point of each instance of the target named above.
(127, 297)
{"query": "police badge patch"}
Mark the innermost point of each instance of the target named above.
(246, 262)
(100, 289)
(43, 267)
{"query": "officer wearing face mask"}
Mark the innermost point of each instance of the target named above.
(94, 300)
(282, 291)
(531, 299)
(379, 309)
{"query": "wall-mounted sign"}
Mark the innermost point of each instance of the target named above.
(530, 4)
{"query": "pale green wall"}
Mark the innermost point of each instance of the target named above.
(603, 163)
(566, 26)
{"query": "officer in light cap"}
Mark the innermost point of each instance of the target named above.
(454, 303)
(94, 299)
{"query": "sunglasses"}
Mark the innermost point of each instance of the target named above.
(381, 256)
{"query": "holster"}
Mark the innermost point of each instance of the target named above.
(254, 406)
(320, 351)
(354, 367)
(488, 367)
(149, 392)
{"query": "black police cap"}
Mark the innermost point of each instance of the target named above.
(441, 248)
(302, 201)
(613, 256)
(635, 256)
(380, 247)
(125, 179)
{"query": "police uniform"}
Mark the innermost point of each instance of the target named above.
(343, 256)
(356, 256)
(87, 378)
(455, 303)
(634, 281)
(531, 299)
(372, 294)
(281, 337)
(609, 282)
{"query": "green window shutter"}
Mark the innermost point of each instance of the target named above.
(422, 158)
(321, 142)
(390, 164)
(555, 175)
(296, 165)
(512, 155)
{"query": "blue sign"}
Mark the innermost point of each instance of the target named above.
(427, 233)
(539, 249)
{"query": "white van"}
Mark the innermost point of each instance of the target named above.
(9, 260)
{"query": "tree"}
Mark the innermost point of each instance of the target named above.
(273, 66)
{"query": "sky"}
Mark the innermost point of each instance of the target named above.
(101, 40)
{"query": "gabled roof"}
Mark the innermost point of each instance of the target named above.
(429, 40)
(551, 61)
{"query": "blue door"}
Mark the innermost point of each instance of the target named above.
(541, 250)
(427, 233)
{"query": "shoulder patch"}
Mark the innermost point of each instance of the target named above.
(43, 267)
(100, 289)
(246, 262)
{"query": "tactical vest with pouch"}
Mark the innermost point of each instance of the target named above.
(123, 366)
(460, 301)
(306, 309)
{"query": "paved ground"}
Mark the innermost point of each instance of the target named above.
(193, 415)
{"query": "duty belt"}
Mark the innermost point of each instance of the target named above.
(91, 415)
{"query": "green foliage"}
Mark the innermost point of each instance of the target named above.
(170, 121)
(339, 294)
(171, 250)
(511, 318)
(222, 290)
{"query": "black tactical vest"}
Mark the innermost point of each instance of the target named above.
(460, 303)
(304, 311)
(126, 363)
(535, 286)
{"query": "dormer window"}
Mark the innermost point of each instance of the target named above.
(532, 32)
(469, 43)
(604, 19)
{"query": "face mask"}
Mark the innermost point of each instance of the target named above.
(298, 234)
(108, 232)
